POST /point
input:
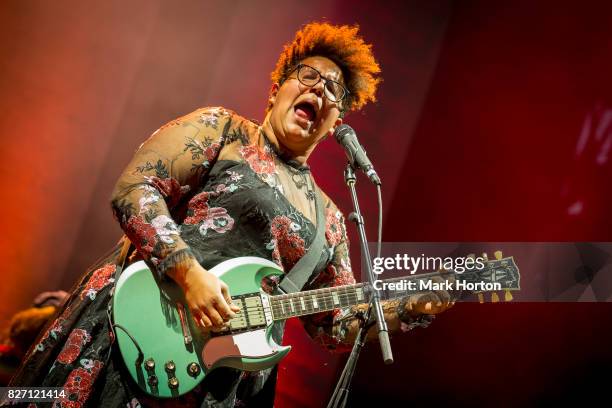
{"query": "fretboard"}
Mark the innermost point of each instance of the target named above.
(503, 270)
(318, 300)
(325, 299)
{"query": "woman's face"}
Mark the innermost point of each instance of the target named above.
(302, 115)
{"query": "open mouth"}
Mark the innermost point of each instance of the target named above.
(305, 111)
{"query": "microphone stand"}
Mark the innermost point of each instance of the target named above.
(374, 314)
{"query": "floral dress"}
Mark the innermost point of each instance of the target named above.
(208, 185)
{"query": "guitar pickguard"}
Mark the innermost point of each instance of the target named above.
(223, 350)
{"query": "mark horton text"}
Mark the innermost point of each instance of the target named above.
(427, 284)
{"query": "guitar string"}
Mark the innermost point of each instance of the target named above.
(343, 297)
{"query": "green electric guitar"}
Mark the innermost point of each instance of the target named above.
(168, 356)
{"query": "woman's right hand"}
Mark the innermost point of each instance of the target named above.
(207, 297)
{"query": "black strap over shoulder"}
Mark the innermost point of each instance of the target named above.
(297, 277)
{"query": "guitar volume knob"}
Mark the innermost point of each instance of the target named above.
(193, 369)
(150, 364)
(173, 383)
(170, 367)
(153, 381)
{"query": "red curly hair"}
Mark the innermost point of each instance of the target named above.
(345, 48)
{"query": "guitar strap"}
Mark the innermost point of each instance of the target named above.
(125, 250)
(297, 277)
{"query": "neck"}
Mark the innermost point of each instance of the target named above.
(297, 154)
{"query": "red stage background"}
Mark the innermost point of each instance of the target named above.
(494, 122)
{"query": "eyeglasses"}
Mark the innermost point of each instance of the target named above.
(309, 76)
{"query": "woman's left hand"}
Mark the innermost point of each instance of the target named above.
(432, 302)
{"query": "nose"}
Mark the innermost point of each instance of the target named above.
(318, 88)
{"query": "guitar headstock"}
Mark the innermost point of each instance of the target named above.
(500, 270)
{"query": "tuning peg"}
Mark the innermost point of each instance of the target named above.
(480, 298)
(494, 297)
(498, 255)
(508, 295)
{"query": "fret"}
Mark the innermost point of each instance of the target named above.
(309, 304)
(325, 299)
(343, 297)
(336, 299)
(291, 304)
(302, 302)
(315, 304)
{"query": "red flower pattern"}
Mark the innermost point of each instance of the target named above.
(77, 339)
(334, 230)
(215, 218)
(289, 246)
(199, 208)
(170, 188)
(142, 234)
(98, 280)
(260, 160)
(79, 384)
(210, 152)
(56, 328)
(342, 275)
(218, 220)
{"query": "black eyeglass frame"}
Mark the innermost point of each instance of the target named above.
(321, 77)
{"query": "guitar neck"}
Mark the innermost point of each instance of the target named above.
(325, 299)
(318, 300)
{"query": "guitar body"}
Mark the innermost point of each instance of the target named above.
(176, 356)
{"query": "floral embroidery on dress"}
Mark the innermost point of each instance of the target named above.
(169, 187)
(98, 280)
(198, 207)
(334, 230)
(79, 384)
(207, 150)
(234, 175)
(215, 218)
(150, 196)
(210, 117)
(77, 339)
(142, 234)
(342, 275)
(160, 168)
(165, 227)
(287, 246)
(260, 160)
(56, 328)
(218, 220)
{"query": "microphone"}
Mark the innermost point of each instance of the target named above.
(346, 136)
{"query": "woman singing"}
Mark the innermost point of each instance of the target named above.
(211, 186)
